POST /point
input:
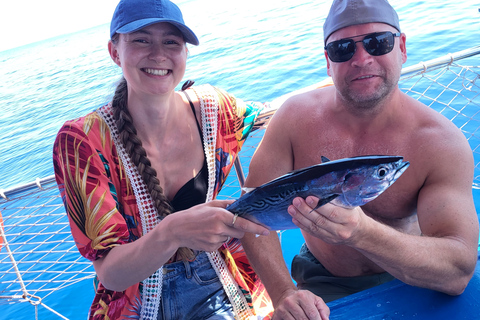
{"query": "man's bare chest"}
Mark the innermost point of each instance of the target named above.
(397, 205)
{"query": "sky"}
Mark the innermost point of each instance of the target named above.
(27, 21)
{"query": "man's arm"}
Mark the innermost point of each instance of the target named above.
(443, 258)
(272, 159)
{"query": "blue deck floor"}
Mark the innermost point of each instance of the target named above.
(397, 300)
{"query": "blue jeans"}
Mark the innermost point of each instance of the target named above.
(192, 290)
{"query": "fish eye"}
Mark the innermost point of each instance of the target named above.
(382, 172)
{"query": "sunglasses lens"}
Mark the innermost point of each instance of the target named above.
(341, 50)
(378, 44)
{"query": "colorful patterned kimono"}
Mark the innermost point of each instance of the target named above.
(108, 204)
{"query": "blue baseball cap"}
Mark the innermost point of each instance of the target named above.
(133, 15)
(345, 13)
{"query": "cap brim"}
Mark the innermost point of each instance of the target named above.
(188, 34)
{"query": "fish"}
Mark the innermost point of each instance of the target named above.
(347, 182)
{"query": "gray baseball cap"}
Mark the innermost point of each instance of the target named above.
(345, 13)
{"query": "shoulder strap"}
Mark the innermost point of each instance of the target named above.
(195, 115)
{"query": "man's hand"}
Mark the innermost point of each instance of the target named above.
(332, 224)
(301, 304)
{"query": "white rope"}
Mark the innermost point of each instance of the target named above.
(53, 311)
(32, 299)
(14, 263)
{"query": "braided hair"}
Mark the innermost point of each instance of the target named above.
(133, 146)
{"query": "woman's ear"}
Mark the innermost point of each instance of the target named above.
(112, 49)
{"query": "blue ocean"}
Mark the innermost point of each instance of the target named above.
(257, 50)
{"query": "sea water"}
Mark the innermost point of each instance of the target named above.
(257, 50)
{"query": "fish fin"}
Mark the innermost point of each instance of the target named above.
(321, 202)
(247, 190)
(325, 159)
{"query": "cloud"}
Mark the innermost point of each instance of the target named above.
(28, 21)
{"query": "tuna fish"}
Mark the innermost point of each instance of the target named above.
(346, 183)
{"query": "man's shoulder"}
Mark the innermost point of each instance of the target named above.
(435, 137)
(305, 103)
(433, 121)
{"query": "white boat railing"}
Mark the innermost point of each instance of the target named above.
(447, 59)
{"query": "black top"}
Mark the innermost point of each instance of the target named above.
(195, 190)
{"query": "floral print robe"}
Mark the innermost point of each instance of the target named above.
(102, 207)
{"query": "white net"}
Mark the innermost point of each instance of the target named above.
(39, 259)
(38, 256)
(453, 90)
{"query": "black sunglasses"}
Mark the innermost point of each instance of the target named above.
(376, 44)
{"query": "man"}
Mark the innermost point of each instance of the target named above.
(423, 230)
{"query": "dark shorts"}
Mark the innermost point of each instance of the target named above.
(311, 275)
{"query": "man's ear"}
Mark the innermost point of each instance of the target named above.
(328, 63)
(403, 47)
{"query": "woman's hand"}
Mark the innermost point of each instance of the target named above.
(208, 226)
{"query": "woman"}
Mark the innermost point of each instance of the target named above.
(139, 175)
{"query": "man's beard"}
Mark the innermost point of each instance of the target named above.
(364, 101)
